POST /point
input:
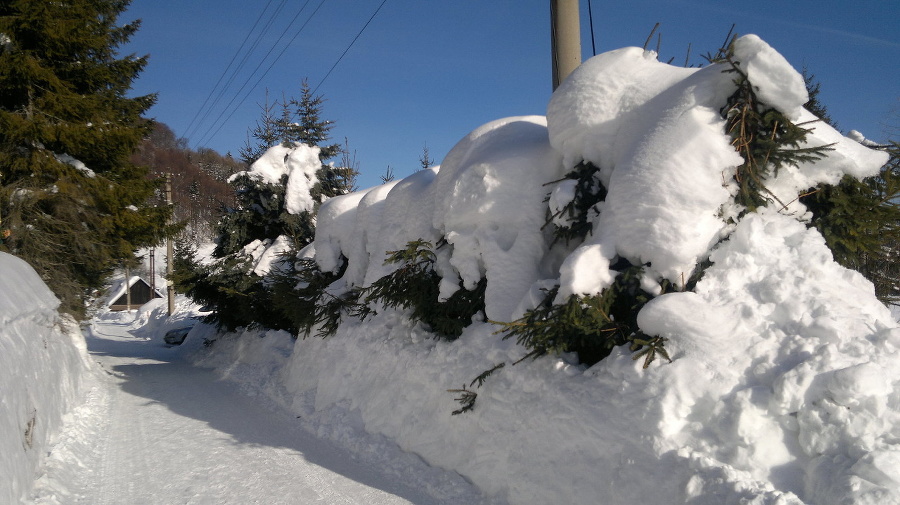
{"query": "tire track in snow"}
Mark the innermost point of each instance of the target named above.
(171, 433)
(111, 486)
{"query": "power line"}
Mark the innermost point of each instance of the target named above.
(348, 47)
(240, 66)
(208, 135)
(591, 21)
(242, 45)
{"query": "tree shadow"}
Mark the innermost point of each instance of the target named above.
(152, 370)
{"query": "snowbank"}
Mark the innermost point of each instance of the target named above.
(43, 360)
(784, 385)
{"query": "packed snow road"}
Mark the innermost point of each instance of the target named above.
(157, 430)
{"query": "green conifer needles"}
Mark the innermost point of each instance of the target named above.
(573, 220)
(589, 325)
(74, 205)
(416, 286)
(764, 137)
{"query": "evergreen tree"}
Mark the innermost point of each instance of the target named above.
(310, 128)
(267, 134)
(74, 205)
(241, 297)
(860, 219)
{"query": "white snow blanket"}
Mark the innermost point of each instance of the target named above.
(785, 381)
(43, 360)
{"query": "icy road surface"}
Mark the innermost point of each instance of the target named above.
(157, 430)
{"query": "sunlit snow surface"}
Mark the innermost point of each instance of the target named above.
(143, 425)
(42, 367)
(785, 381)
(785, 372)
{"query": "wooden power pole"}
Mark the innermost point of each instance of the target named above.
(565, 38)
(170, 255)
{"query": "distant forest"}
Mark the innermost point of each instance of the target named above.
(199, 187)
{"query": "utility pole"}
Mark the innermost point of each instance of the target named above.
(153, 269)
(127, 288)
(170, 254)
(565, 38)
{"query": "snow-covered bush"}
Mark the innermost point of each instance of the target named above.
(415, 286)
(783, 375)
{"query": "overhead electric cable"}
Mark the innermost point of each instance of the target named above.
(227, 68)
(348, 47)
(591, 21)
(237, 70)
(240, 66)
(221, 124)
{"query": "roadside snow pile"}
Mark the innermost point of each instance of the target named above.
(784, 385)
(43, 360)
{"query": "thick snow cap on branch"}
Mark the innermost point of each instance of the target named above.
(656, 133)
(299, 163)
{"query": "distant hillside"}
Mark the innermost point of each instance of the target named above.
(199, 187)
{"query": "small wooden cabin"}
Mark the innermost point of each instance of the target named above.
(141, 293)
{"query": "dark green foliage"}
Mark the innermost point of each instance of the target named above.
(467, 397)
(466, 400)
(259, 213)
(238, 296)
(416, 286)
(764, 137)
(577, 213)
(860, 221)
(300, 294)
(588, 325)
(648, 347)
(310, 128)
(63, 92)
(267, 132)
(483, 376)
(301, 123)
(227, 285)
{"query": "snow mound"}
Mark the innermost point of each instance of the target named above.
(784, 386)
(43, 360)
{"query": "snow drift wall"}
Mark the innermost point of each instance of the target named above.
(42, 361)
(784, 385)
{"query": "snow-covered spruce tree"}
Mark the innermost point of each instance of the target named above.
(763, 135)
(266, 133)
(589, 325)
(300, 122)
(592, 325)
(860, 219)
(229, 284)
(266, 214)
(415, 285)
(74, 206)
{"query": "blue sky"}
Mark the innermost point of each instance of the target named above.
(426, 72)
